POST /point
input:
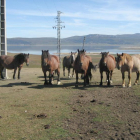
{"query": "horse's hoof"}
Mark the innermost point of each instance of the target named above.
(69, 76)
(129, 85)
(58, 83)
(123, 85)
(45, 83)
(76, 85)
(101, 84)
(135, 83)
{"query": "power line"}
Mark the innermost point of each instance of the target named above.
(58, 27)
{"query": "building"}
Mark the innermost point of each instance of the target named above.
(3, 39)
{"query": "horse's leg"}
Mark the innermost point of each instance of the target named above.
(101, 74)
(14, 73)
(19, 69)
(123, 79)
(58, 74)
(137, 78)
(129, 77)
(106, 78)
(76, 84)
(69, 73)
(2, 72)
(87, 78)
(73, 72)
(108, 83)
(63, 70)
(111, 77)
(50, 77)
(46, 82)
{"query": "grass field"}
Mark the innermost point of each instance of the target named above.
(31, 111)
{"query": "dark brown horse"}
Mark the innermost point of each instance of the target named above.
(82, 65)
(68, 62)
(107, 63)
(126, 62)
(13, 62)
(51, 64)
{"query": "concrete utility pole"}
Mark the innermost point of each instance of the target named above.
(3, 39)
(59, 27)
(84, 41)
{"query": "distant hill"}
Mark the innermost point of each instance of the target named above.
(91, 40)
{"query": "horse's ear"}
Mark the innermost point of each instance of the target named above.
(122, 54)
(28, 53)
(78, 50)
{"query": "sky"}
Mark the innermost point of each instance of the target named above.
(36, 18)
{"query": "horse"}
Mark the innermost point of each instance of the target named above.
(94, 67)
(68, 62)
(107, 63)
(13, 62)
(82, 65)
(51, 64)
(126, 62)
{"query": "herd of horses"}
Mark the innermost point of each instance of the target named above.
(80, 62)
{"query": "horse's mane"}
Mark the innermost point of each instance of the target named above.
(20, 56)
(46, 54)
(127, 56)
(112, 57)
(82, 52)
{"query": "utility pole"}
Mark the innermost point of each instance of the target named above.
(84, 41)
(58, 27)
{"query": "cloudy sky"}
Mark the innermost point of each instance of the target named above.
(35, 18)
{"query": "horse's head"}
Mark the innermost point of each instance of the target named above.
(120, 59)
(26, 59)
(104, 55)
(22, 57)
(80, 56)
(45, 57)
(94, 67)
(72, 57)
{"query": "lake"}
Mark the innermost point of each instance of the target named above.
(111, 49)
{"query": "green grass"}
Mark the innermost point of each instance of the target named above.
(20, 102)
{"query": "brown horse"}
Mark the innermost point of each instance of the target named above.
(82, 65)
(128, 63)
(13, 62)
(68, 62)
(50, 63)
(107, 63)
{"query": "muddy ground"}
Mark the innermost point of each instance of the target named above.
(105, 114)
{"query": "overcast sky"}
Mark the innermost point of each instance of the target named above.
(35, 18)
